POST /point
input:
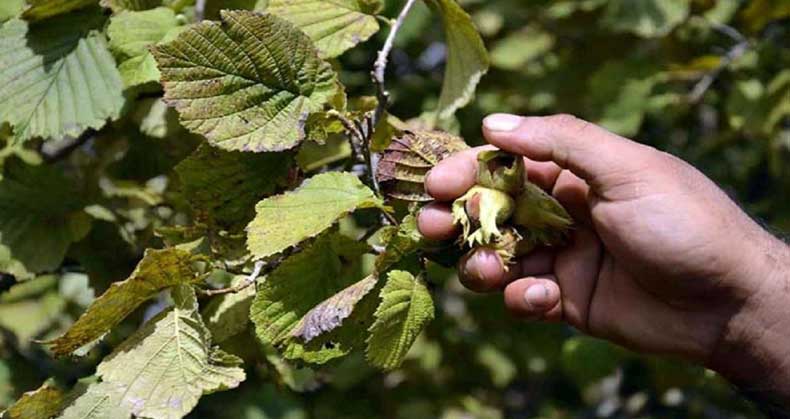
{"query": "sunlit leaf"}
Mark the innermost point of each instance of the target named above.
(247, 83)
(406, 307)
(57, 78)
(131, 33)
(335, 26)
(467, 59)
(41, 9)
(97, 401)
(286, 220)
(169, 363)
(43, 402)
(133, 5)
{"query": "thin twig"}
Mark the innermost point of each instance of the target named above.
(200, 10)
(380, 66)
(256, 271)
(707, 80)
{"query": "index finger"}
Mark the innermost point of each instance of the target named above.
(453, 176)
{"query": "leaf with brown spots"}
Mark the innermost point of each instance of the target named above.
(408, 159)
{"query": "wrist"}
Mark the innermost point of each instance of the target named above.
(753, 350)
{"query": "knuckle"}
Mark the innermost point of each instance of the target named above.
(568, 122)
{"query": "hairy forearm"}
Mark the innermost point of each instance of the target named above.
(754, 350)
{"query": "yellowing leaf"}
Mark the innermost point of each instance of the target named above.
(131, 33)
(297, 286)
(41, 9)
(247, 83)
(334, 25)
(44, 402)
(467, 59)
(406, 307)
(159, 269)
(166, 365)
(286, 220)
(57, 78)
(408, 159)
(224, 186)
(134, 5)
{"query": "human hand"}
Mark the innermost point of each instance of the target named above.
(660, 259)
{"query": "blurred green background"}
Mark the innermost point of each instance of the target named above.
(706, 80)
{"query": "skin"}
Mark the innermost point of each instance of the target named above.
(660, 260)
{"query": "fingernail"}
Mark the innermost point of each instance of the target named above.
(501, 122)
(537, 295)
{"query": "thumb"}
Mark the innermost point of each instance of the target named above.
(587, 150)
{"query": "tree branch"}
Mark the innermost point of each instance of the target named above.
(256, 271)
(380, 66)
(733, 54)
(200, 10)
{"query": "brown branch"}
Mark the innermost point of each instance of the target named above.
(256, 271)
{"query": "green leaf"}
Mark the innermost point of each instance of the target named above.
(248, 83)
(313, 156)
(10, 9)
(335, 25)
(42, 9)
(467, 58)
(131, 33)
(57, 79)
(619, 94)
(406, 307)
(286, 220)
(646, 18)
(408, 159)
(224, 186)
(31, 308)
(159, 269)
(133, 5)
(519, 48)
(406, 240)
(97, 401)
(43, 402)
(299, 284)
(40, 216)
(169, 363)
(229, 314)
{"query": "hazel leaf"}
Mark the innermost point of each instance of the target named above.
(248, 82)
(409, 157)
(159, 269)
(406, 307)
(335, 26)
(288, 219)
